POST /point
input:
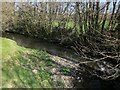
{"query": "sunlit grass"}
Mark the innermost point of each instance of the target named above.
(23, 67)
(72, 24)
(68, 25)
(8, 47)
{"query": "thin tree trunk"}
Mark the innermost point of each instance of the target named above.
(111, 19)
(97, 16)
(105, 16)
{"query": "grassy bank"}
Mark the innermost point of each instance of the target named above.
(23, 67)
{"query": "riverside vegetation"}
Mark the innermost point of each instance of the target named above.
(91, 29)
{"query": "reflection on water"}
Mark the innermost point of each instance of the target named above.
(53, 49)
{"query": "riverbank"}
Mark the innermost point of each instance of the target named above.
(25, 67)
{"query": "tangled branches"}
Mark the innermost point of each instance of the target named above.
(100, 54)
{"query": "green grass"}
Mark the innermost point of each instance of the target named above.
(9, 47)
(71, 24)
(23, 67)
(68, 25)
(65, 71)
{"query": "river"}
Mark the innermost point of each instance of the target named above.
(35, 43)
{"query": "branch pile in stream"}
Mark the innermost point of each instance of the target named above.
(100, 54)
